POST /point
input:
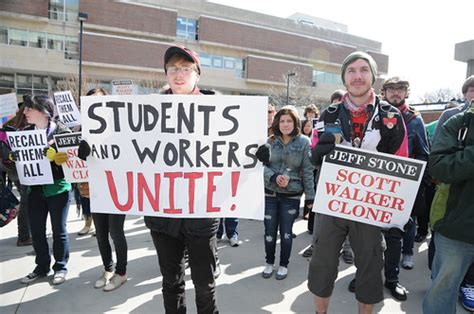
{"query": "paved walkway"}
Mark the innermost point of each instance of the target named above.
(241, 289)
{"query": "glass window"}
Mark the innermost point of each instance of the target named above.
(239, 64)
(206, 60)
(216, 62)
(40, 82)
(58, 83)
(56, 10)
(3, 35)
(186, 28)
(55, 42)
(18, 37)
(24, 81)
(229, 63)
(7, 80)
(72, 10)
(21, 91)
(37, 40)
(71, 50)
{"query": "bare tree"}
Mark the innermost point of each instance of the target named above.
(441, 95)
(300, 95)
(71, 83)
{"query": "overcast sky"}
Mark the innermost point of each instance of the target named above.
(418, 35)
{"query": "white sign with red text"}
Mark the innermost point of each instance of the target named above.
(175, 155)
(368, 187)
(75, 169)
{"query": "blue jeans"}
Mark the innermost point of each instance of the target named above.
(409, 240)
(57, 206)
(106, 224)
(230, 227)
(451, 262)
(280, 213)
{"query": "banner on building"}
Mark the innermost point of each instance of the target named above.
(67, 109)
(176, 155)
(32, 166)
(368, 187)
(124, 87)
(75, 169)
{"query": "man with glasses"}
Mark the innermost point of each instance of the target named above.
(395, 91)
(172, 236)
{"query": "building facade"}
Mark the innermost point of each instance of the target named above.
(242, 52)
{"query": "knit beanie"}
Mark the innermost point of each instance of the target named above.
(359, 55)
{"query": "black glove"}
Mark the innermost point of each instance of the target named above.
(263, 153)
(325, 145)
(13, 155)
(307, 203)
(84, 150)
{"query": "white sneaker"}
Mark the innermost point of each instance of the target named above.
(281, 273)
(59, 277)
(104, 280)
(407, 261)
(115, 282)
(234, 241)
(267, 271)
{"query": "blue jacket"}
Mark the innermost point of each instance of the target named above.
(294, 156)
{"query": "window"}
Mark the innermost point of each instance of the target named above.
(7, 80)
(71, 50)
(326, 77)
(216, 62)
(3, 35)
(186, 28)
(40, 82)
(229, 63)
(55, 42)
(206, 60)
(18, 37)
(37, 40)
(63, 10)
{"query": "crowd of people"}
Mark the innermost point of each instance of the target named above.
(358, 117)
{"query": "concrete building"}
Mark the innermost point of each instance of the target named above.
(242, 52)
(465, 52)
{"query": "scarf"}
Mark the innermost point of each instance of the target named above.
(356, 110)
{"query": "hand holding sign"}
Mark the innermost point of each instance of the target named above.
(325, 145)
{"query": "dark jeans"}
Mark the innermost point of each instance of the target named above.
(86, 206)
(280, 213)
(57, 206)
(201, 251)
(311, 220)
(230, 227)
(106, 224)
(409, 239)
(392, 257)
(23, 221)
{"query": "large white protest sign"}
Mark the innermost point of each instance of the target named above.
(67, 109)
(8, 105)
(32, 166)
(75, 169)
(368, 187)
(175, 155)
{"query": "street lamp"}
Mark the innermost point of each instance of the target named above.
(82, 18)
(288, 87)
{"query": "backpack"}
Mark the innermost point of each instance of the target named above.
(8, 204)
(440, 198)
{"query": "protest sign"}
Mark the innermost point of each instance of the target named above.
(32, 166)
(66, 107)
(75, 169)
(124, 87)
(8, 106)
(368, 187)
(175, 155)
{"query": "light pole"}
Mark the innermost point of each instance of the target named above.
(82, 18)
(288, 86)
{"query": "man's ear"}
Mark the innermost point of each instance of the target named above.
(197, 77)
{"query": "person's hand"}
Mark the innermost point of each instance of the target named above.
(84, 150)
(308, 203)
(263, 153)
(13, 155)
(325, 145)
(50, 153)
(282, 181)
(60, 158)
